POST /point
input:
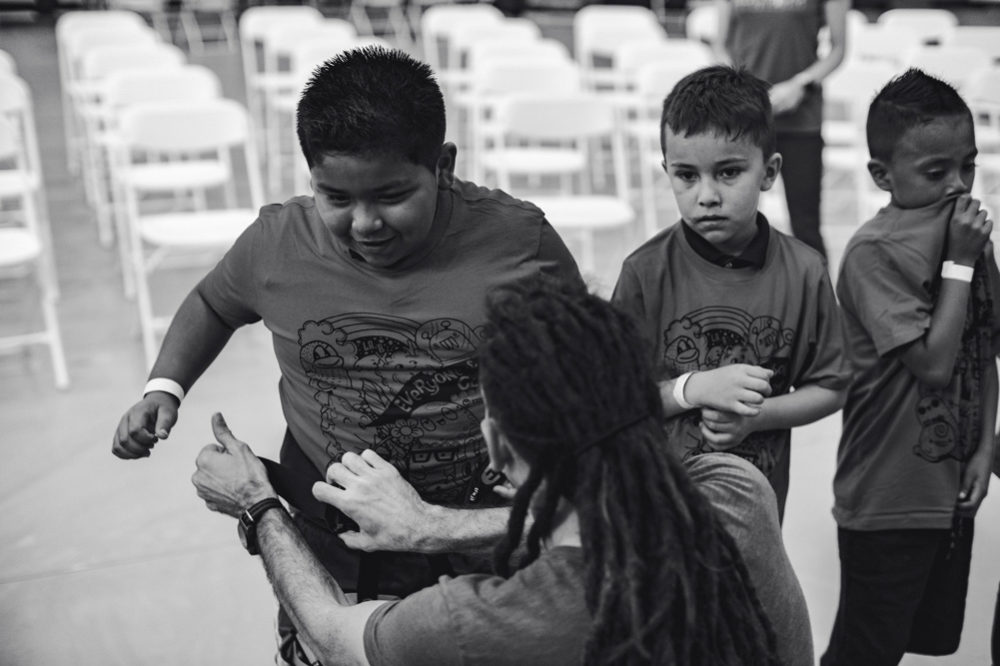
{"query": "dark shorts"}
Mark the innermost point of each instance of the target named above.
(900, 591)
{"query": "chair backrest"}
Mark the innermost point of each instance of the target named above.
(984, 37)
(602, 28)
(188, 83)
(853, 86)
(439, 23)
(281, 38)
(540, 117)
(183, 126)
(255, 20)
(312, 52)
(886, 43)
(509, 31)
(954, 64)
(7, 63)
(73, 21)
(80, 42)
(983, 85)
(702, 23)
(504, 77)
(100, 61)
(933, 25)
(541, 50)
(655, 79)
(687, 53)
(17, 110)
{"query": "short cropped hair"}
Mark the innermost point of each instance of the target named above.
(372, 101)
(721, 99)
(909, 100)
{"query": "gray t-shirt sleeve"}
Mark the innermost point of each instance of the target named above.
(748, 510)
(413, 631)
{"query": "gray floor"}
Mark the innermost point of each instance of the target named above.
(111, 562)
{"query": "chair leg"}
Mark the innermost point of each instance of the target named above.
(54, 341)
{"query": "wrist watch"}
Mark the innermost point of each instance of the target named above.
(247, 527)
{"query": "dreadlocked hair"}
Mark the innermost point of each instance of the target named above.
(664, 582)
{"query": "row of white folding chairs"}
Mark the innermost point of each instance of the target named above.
(26, 251)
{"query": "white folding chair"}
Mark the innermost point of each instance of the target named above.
(382, 18)
(983, 96)
(7, 64)
(599, 31)
(182, 148)
(513, 33)
(702, 23)
(25, 238)
(253, 24)
(440, 23)
(875, 42)
(541, 135)
(689, 54)
(214, 19)
(121, 90)
(933, 25)
(953, 64)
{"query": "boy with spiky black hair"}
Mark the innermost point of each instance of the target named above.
(747, 333)
(918, 286)
(374, 290)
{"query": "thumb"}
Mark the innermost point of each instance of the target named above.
(164, 422)
(223, 435)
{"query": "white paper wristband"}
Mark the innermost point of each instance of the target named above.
(952, 271)
(165, 385)
(679, 385)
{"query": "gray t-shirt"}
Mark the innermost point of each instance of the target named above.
(697, 315)
(539, 615)
(904, 444)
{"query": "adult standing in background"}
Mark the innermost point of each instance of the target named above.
(778, 40)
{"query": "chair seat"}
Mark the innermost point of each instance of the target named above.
(585, 212)
(535, 160)
(18, 246)
(194, 174)
(202, 229)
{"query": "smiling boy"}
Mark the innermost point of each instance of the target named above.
(918, 286)
(374, 290)
(745, 331)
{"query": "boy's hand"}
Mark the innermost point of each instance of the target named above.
(968, 231)
(147, 422)
(975, 483)
(738, 388)
(725, 430)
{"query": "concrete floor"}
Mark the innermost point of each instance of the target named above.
(110, 562)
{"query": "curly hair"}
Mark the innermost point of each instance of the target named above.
(567, 378)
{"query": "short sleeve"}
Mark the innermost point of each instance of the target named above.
(555, 257)
(230, 288)
(887, 297)
(827, 363)
(411, 632)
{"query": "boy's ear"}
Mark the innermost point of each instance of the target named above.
(772, 167)
(879, 171)
(446, 165)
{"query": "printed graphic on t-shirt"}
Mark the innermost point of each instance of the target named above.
(716, 336)
(408, 390)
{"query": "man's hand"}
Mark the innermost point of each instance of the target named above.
(968, 231)
(786, 96)
(147, 422)
(229, 477)
(738, 388)
(387, 509)
(725, 430)
(975, 483)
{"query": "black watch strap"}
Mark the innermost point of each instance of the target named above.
(251, 516)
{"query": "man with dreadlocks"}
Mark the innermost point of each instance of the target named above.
(627, 562)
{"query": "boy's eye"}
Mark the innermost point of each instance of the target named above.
(731, 172)
(393, 197)
(338, 199)
(970, 166)
(935, 175)
(686, 176)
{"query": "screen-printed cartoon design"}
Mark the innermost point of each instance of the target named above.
(408, 390)
(715, 336)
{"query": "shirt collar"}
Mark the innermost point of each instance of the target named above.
(752, 256)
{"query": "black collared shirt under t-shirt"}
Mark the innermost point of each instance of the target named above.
(752, 256)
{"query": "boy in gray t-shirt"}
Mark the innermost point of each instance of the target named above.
(918, 286)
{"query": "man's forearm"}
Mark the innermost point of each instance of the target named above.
(333, 627)
(450, 530)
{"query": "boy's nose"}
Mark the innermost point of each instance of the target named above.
(708, 194)
(365, 220)
(957, 185)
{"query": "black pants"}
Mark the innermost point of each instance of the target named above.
(900, 591)
(802, 173)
